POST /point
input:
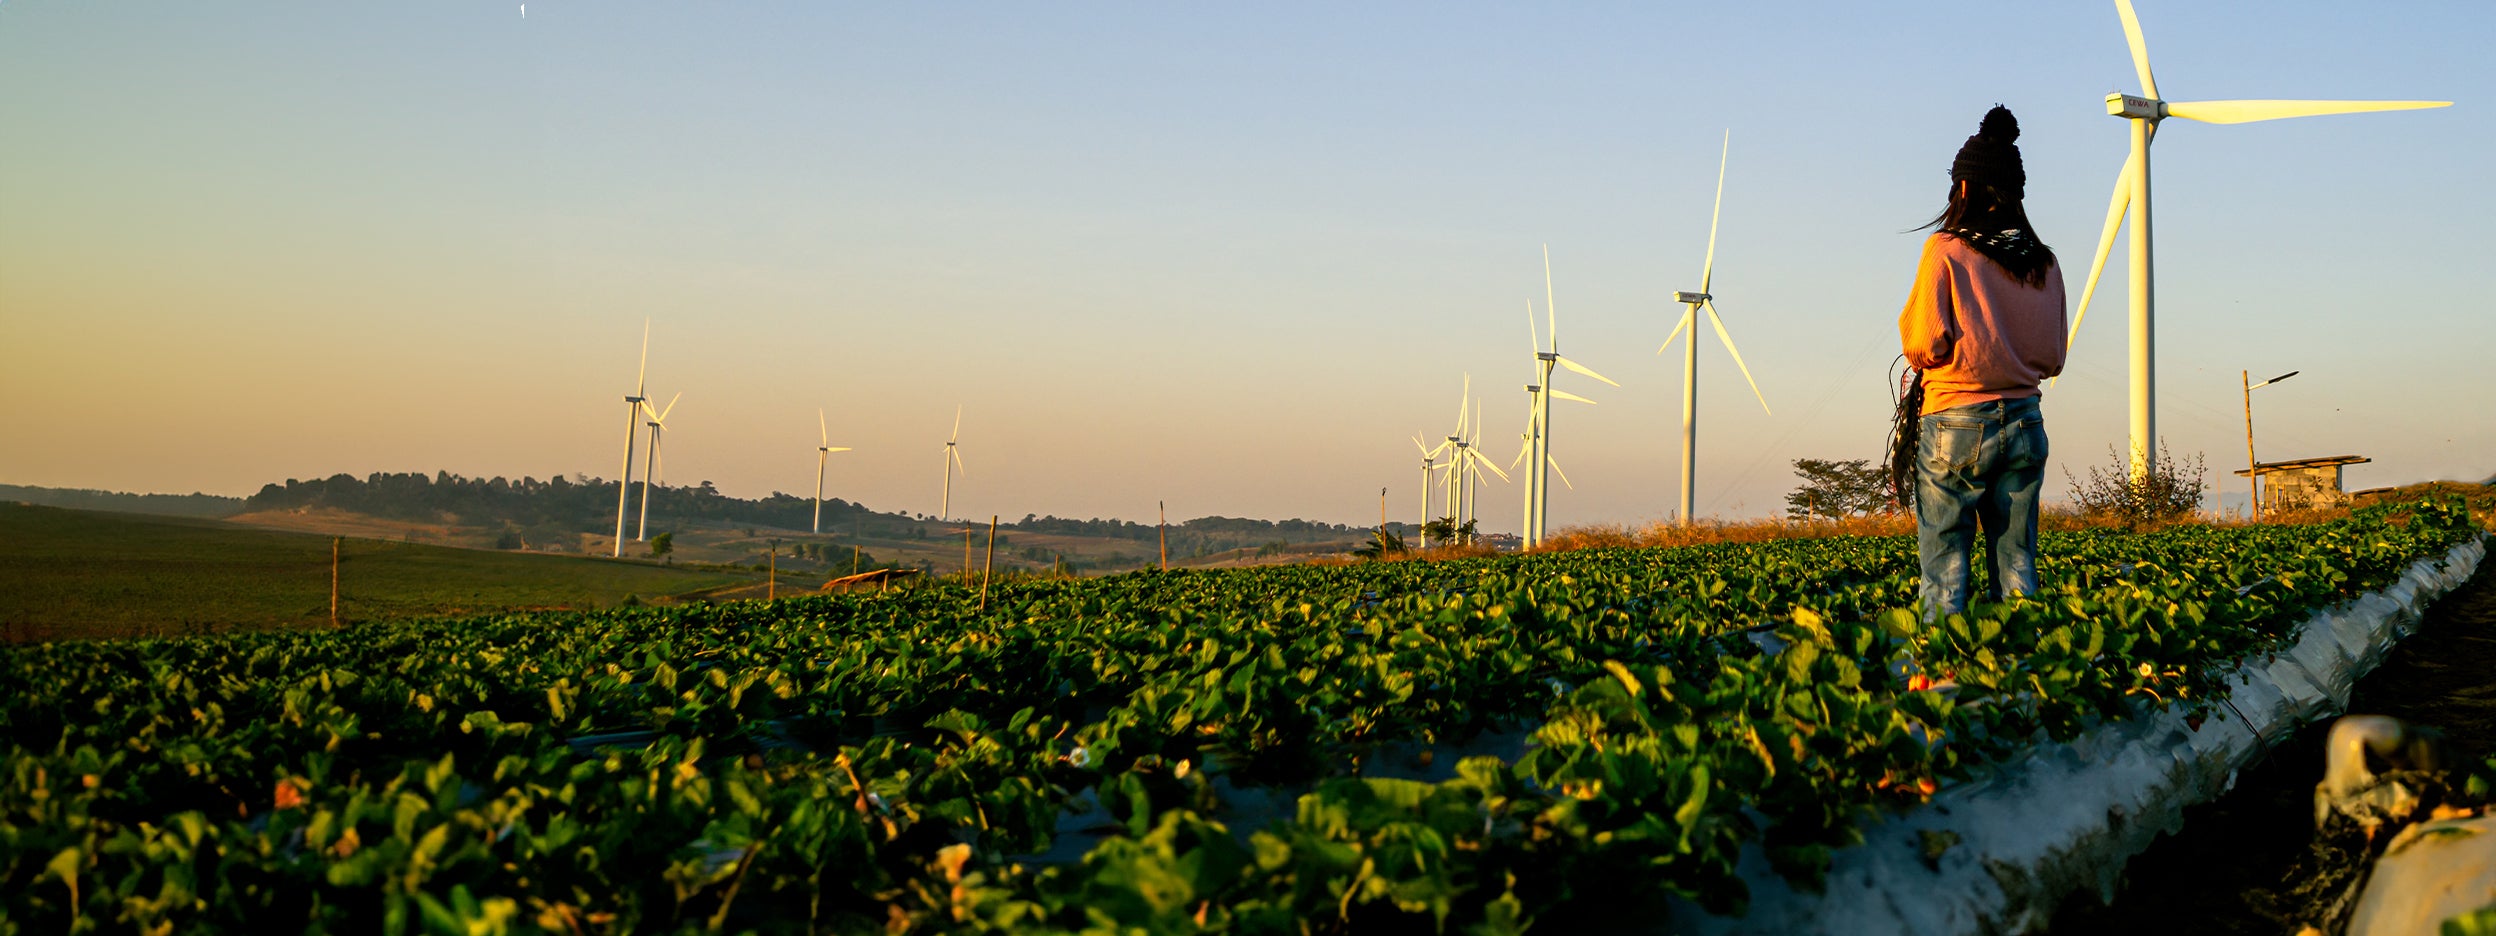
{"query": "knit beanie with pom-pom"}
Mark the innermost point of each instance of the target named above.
(1992, 155)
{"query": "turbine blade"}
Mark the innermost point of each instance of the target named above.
(1551, 310)
(2236, 112)
(671, 407)
(1555, 469)
(1721, 335)
(2140, 48)
(641, 378)
(957, 423)
(1558, 394)
(2115, 208)
(1678, 328)
(957, 461)
(1525, 447)
(1707, 272)
(836, 448)
(1494, 469)
(1581, 368)
(820, 427)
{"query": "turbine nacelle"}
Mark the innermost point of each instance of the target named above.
(2135, 107)
(1691, 298)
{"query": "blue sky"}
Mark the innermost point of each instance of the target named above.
(1231, 258)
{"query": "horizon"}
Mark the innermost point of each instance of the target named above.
(1228, 259)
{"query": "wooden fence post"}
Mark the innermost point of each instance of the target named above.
(990, 570)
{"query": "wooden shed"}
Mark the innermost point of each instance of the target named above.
(2304, 483)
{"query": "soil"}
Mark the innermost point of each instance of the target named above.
(2237, 866)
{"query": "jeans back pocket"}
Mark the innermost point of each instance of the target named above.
(1951, 445)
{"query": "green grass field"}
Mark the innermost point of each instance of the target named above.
(68, 574)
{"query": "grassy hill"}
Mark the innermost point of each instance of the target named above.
(77, 573)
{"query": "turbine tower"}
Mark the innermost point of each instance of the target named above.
(1538, 426)
(1429, 458)
(632, 431)
(2131, 202)
(658, 427)
(1690, 352)
(953, 460)
(822, 450)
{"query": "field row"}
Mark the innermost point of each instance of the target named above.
(1253, 751)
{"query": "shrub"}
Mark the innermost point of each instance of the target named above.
(2169, 490)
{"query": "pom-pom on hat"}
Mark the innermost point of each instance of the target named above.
(1992, 155)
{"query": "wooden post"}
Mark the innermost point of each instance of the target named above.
(989, 571)
(966, 555)
(2253, 478)
(1164, 527)
(853, 559)
(771, 583)
(333, 580)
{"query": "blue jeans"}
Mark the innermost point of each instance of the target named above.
(1978, 465)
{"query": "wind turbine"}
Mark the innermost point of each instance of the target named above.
(1690, 352)
(1538, 492)
(632, 431)
(1531, 440)
(2131, 202)
(1454, 449)
(826, 448)
(1475, 464)
(1429, 457)
(953, 460)
(658, 427)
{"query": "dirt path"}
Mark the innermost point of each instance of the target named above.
(2224, 874)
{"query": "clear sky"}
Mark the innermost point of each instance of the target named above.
(1231, 257)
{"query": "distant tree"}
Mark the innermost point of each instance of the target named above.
(1441, 531)
(663, 544)
(509, 540)
(1837, 489)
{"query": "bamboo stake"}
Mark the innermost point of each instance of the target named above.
(333, 580)
(1164, 526)
(771, 584)
(853, 559)
(990, 570)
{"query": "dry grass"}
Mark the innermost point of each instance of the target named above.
(1661, 533)
(1656, 534)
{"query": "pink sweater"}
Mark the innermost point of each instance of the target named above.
(1975, 332)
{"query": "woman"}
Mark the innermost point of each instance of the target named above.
(1984, 324)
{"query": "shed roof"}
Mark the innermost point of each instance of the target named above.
(2327, 461)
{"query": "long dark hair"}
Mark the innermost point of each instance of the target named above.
(1993, 220)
